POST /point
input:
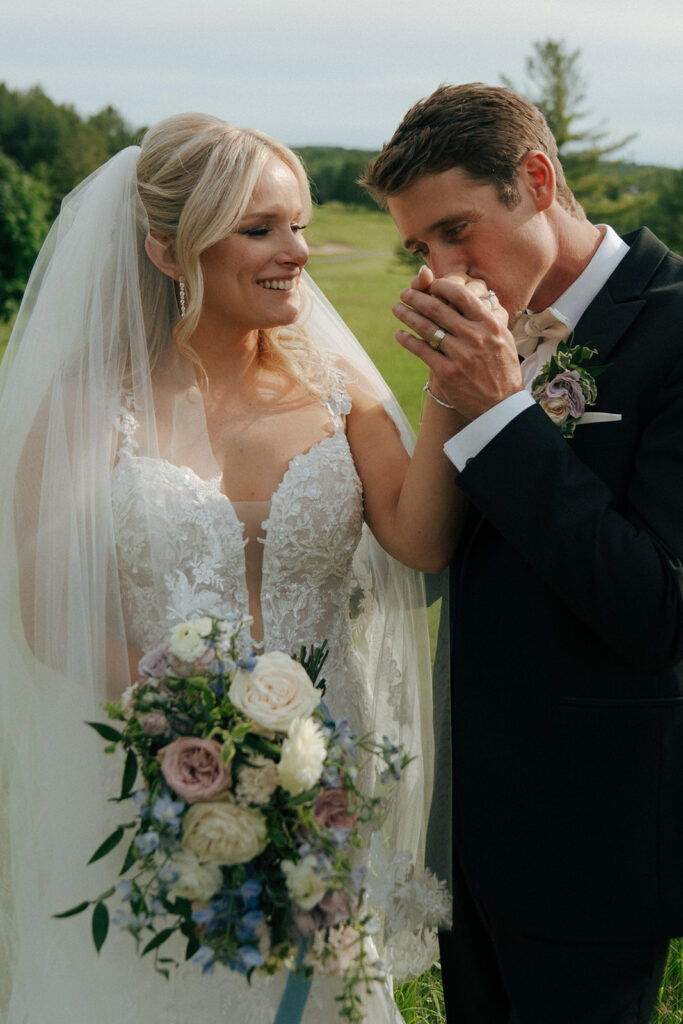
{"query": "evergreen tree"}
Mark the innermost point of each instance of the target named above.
(607, 189)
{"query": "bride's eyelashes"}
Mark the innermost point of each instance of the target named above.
(260, 232)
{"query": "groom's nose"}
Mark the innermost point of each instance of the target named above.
(447, 259)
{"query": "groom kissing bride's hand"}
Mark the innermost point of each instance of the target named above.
(565, 614)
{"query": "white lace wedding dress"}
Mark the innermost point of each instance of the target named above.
(292, 558)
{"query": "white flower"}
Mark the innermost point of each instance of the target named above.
(274, 692)
(336, 950)
(302, 756)
(128, 701)
(203, 625)
(193, 880)
(187, 640)
(304, 881)
(223, 832)
(257, 781)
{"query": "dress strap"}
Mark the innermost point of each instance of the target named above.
(338, 401)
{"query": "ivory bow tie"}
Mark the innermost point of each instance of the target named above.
(530, 328)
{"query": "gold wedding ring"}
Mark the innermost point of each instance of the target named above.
(436, 339)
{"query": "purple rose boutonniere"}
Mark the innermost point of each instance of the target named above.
(566, 385)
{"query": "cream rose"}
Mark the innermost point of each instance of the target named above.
(302, 756)
(224, 833)
(276, 691)
(194, 881)
(557, 408)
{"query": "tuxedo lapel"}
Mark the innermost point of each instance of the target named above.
(618, 303)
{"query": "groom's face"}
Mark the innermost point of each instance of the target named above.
(458, 224)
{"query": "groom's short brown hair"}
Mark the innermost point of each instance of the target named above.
(482, 129)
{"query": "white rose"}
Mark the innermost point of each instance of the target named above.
(274, 692)
(304, 883)
(187, 640)
(194, 881)
(223, 832)
(302, 756)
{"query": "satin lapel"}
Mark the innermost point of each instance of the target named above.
(615, 307)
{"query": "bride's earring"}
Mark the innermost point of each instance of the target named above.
(181, 295)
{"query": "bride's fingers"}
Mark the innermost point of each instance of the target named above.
(423, 279)
(449, 289)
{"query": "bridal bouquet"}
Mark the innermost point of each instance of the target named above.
(249, 814)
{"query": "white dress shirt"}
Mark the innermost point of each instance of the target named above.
(571, 306)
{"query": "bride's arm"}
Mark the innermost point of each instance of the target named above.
(413, 506)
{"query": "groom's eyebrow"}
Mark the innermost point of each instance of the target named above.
(444, 222)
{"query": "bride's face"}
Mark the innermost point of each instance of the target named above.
(251, 278)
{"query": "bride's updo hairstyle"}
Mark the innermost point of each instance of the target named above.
(196, 175)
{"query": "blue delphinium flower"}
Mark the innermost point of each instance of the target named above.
(167, 811)
(247, 925)
(246, 958)
(205, 957)
(330, 777)
(147, 843)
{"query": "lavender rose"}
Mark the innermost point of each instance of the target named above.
(194, 768)
(331, 810)
(563, 397)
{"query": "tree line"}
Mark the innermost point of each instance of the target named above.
(47, 148)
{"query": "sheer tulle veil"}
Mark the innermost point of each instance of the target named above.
(94, 309)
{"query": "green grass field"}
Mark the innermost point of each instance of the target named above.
(353, 261)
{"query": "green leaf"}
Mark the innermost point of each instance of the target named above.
(107, 732)
(192, 947)
(74, 910)
(129, 859)
(130, 774)
(100, 925)
(158, 940)
(109, 843)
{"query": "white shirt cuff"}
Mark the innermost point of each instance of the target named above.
(477, 434)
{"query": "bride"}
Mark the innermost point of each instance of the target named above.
(188, 428)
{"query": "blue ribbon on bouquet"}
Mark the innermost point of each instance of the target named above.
(293, 1001)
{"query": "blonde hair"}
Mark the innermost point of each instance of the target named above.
(196, 175)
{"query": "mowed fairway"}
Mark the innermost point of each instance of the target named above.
(353, 260)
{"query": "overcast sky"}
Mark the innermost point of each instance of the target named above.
(342, 72)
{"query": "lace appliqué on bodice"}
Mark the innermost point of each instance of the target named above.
(181, 552)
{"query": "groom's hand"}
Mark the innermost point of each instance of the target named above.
(476, 364)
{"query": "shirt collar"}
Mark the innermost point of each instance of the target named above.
(574, 302)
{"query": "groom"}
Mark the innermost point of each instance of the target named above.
(566, 605)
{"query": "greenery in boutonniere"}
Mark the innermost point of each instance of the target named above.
(566, 385)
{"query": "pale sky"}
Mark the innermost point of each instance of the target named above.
(342, 72)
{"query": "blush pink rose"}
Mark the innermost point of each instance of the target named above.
(332, 809)
(194, 768)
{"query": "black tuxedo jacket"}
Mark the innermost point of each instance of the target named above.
(567, 639)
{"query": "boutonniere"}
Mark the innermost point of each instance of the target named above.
(566, 385)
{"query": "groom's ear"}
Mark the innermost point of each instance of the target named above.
(537, 173)
(161, 251)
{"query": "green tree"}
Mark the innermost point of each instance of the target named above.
(53, 143)
(607, 189)
(24, 221)
(665, 213)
